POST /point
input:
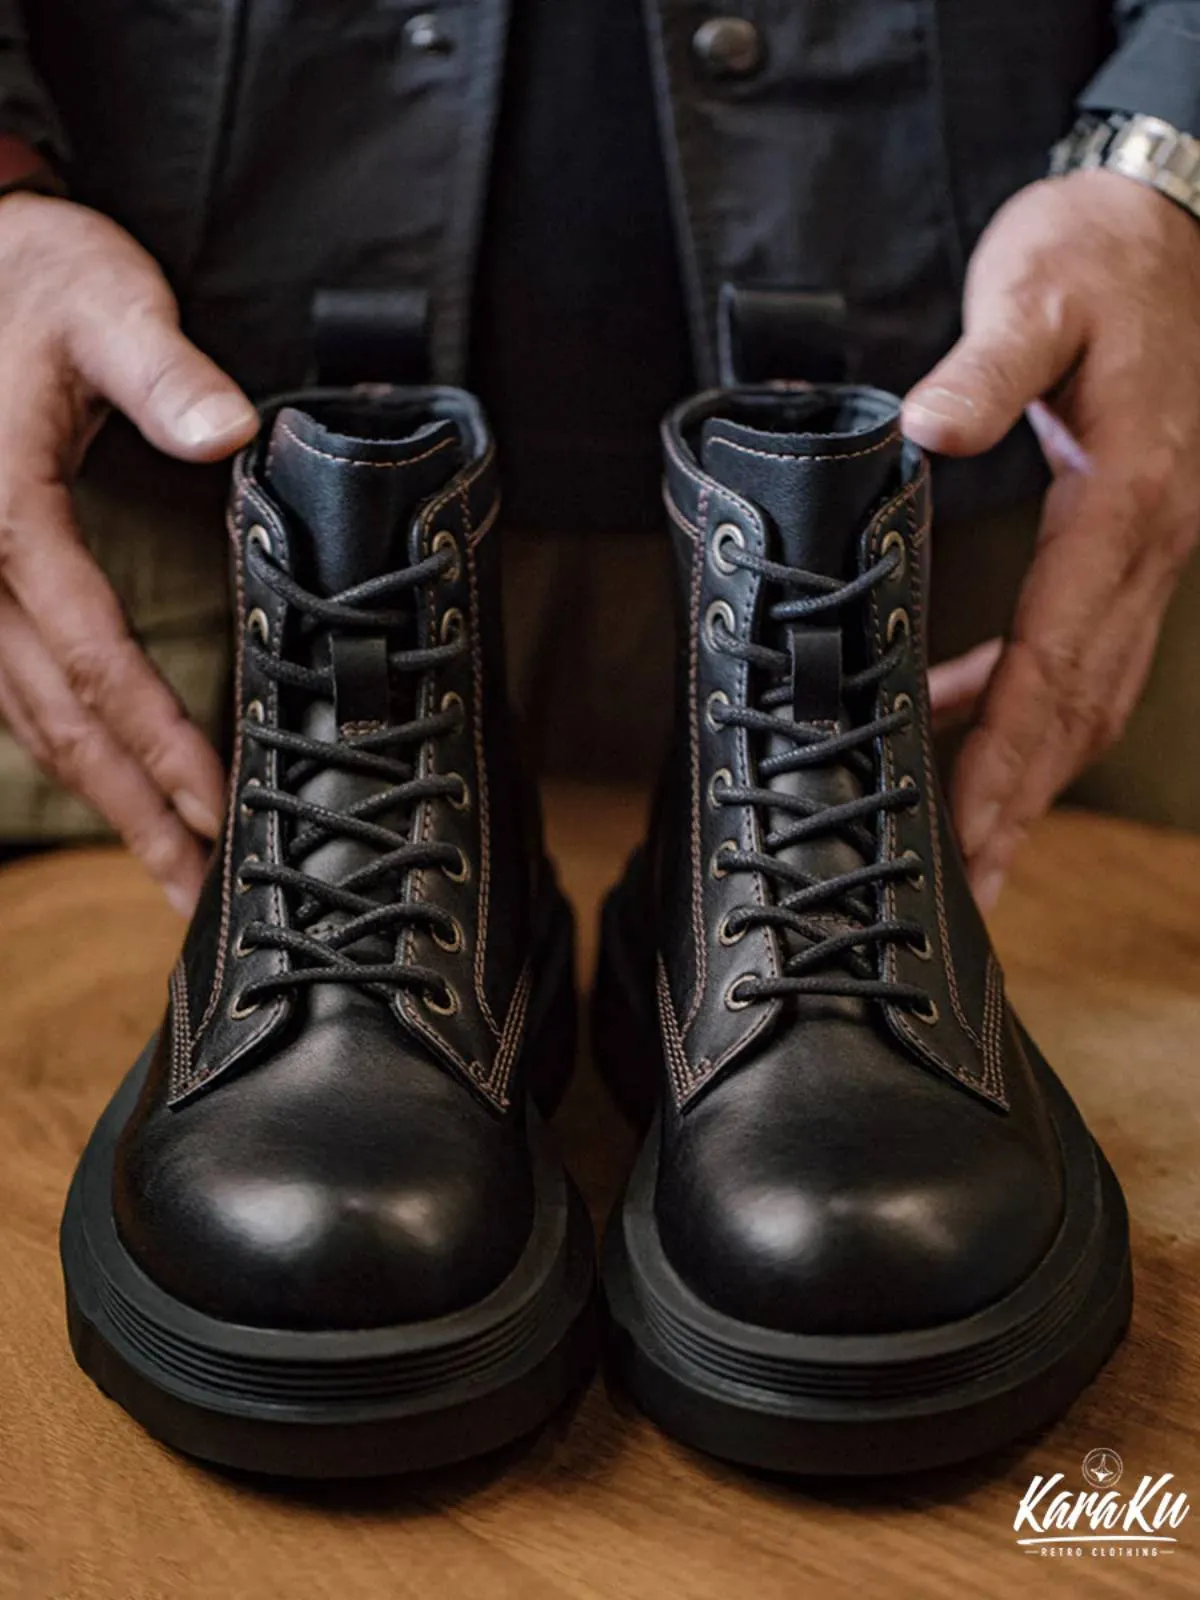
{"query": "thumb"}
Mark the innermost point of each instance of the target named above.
(1015, 348)
(180, 400)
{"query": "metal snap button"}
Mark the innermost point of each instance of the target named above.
(728, 47)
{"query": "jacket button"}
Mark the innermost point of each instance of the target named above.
(425, 33)
(728, 47)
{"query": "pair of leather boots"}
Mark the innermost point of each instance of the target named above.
(322, 1227)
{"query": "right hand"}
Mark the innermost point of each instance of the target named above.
(87, 320)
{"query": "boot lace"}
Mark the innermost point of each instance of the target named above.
(844, 960)
(366, 901)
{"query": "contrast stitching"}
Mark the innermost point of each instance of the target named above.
(698, 931)
(514, 1029)
(678, 518)
(922, 1046)
(352, 461)
(677, 1063)
(486, 525)
(788, 455)
(195, 1073)
(481, 783)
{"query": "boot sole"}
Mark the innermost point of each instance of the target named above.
(337, 1403)
(855, 1405)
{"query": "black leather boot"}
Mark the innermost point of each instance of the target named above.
(321, 1228)
(868, 1230)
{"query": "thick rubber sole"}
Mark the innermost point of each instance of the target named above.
(340, 1403)
(874, 1405)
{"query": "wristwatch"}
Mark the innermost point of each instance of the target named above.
(1143, 148)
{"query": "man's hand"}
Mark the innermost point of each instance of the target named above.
(87, 319)
(1082, 308)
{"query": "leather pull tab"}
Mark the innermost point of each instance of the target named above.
(816, 673)
(361, 688)
(764, 335)
(370, 336)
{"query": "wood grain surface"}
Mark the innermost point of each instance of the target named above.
(1100, 935)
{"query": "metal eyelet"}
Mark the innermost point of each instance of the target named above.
(726, 533)
(898, 622)
(239, 1011)
(454, 942)
(452, 626)
(717, 698)
(240, 883)
(257, 624)
(714, 865)
(463, 800)
(256, 711)
(904, 702)
(463, 871)
(722, 611)
(244, 811)
(922, 951)
(928, 1014)
(734, 1001)
(451, 1003)
(916, 868)
(258, 538)
(241, 949)
(453, 701)
(727, 936)
(906, 781)
(443, 539)
(893, 539)
(725, 777)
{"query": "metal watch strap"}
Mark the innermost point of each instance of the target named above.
(1145, 149)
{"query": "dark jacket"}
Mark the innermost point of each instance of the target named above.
(264, 149)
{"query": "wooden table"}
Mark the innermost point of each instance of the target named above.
(1100, 933)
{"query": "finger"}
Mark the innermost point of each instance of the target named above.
(75, 748)
(1097, 586)
(957, 686)
(58, 584)
(135, 355)
(1019, 340)
(1120, 667)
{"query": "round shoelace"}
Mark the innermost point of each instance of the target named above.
(320, 948)
(822, 962)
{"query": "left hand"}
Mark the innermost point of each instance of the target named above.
(1082, 309)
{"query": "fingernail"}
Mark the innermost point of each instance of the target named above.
(199, 817)
(979, 827)
(217, 416)
(946, 404)
(179, 899)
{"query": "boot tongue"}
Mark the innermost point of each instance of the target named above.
(817, 489)
(352, 499)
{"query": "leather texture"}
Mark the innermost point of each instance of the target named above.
(344, 1154)
(832, 1162)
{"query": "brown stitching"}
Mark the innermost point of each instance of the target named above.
(481, 784)
(235, 533)
(514, 1029)
(486, 525)
(351, 461)
(787, 455)
(922, 1046)
(678, 518)
(698, 933)
(677, 1063)
(196, 1073)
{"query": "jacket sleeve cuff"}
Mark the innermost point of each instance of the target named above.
(1156, 71)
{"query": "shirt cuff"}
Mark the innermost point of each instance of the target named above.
(1156, 71)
